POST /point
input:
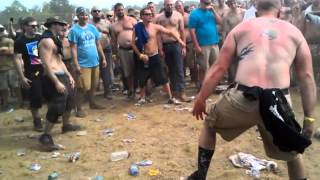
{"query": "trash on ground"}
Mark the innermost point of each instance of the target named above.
(130, 116)
(53, 175)
(97, 178)
(317, 133)
(81, 133)
(145, 162)
(73, 157)
(35, 167)
(21, 152)
(252, 163)
(180, 109)
(166, 106)
(55, 154)
(19, 119)
(10, 110)
(154, 172)
(117, 156)
(134, 170)
(107, 132)
(128, 140)
(98, 120)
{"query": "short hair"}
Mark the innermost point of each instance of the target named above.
(28, 20)
(150, 2)
(267, 5)
(117, 5)
(143, 10)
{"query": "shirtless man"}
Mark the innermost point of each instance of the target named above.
(121, 34)
(266, 47)
(57, 80)
(149, 64)
(103, 26)
(153, 9)
(173, 52)
(231, 18)
(190, 54)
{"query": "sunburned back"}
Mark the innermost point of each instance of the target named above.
(265, 52)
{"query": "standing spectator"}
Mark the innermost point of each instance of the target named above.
(86, 48)
(121, 39)
(173, 52)
(103, 26)
(8, 76)
(204, 33)
(26, 51)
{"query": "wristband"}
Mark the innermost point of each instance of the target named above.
(141, 56)
(309, 119)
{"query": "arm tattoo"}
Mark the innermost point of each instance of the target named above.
(245, 51)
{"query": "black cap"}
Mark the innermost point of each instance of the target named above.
(52, 20)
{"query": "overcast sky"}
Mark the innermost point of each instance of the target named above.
(86, 3)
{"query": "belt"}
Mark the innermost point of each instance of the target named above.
(169, 43)
(245, 88)
(125, 48)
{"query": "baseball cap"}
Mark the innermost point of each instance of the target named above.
(80, 10)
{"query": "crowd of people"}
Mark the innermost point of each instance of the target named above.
(213, 41)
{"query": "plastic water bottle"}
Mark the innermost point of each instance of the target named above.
(117, 156)
(134, 170)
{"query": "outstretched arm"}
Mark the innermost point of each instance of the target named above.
(171, 33)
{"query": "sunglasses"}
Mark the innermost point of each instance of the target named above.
(33, 26)
(109, 16)
(96, 11)
(147, 14)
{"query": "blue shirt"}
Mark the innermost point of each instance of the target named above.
(85, 38)
(204, 23)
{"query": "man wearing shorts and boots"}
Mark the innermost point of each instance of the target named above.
(86, 50)
(266, 47)
(173, 52)
(121, 34)
(58, 83)
(204, 33)
(148, 62)
(30, 73)
(8, 75)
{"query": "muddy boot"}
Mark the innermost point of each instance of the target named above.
(107, 94)
(47, 142)
(182, 97)
(70, 127)
(37, 125)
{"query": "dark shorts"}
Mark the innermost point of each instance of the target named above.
(155, 71)
(34, 94)
(57, 103)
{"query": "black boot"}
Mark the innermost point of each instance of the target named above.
(37, 125)
(204, 159)
(47, 142)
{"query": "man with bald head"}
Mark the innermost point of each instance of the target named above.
(266, 48)
(173, 52)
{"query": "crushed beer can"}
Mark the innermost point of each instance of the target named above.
(35, 167)
(134, 170)
(73, 157)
